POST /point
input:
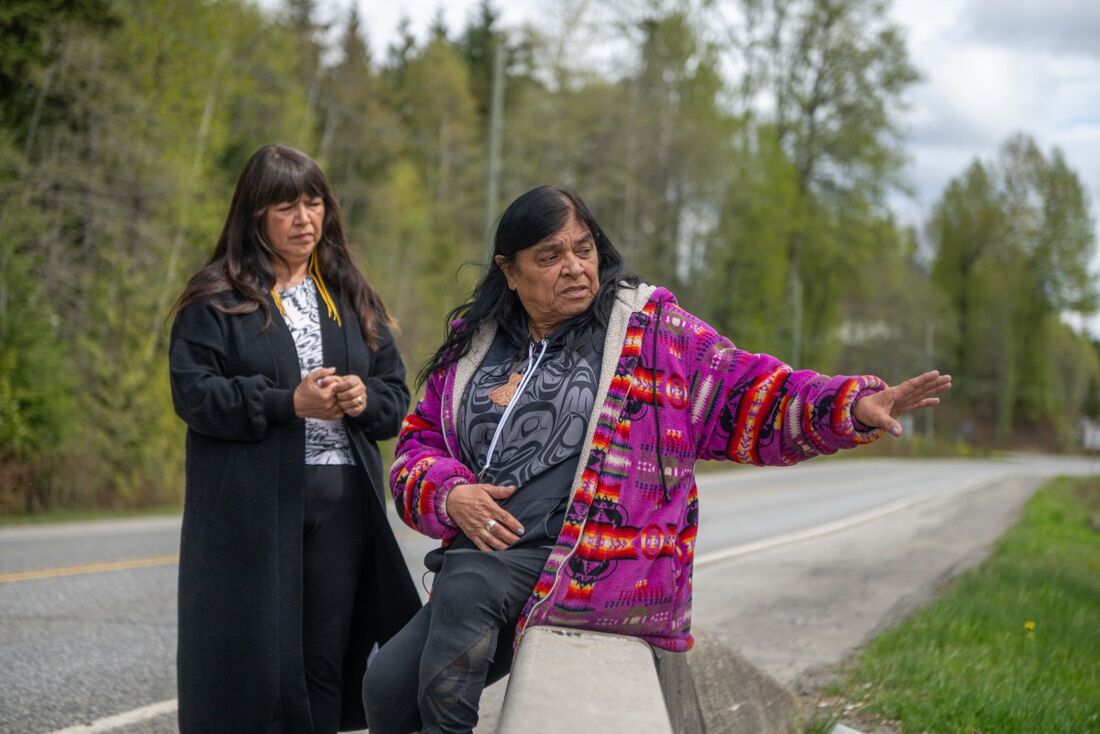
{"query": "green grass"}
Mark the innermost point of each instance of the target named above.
(968, 663)
(81, 515)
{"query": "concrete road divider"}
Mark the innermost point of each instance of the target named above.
(572, 680)
(566, 680)
(713, 690)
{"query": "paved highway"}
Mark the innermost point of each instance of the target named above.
(795, 567)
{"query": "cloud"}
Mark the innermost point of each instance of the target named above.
(974, 95)
(994, 68)
(1058, 26)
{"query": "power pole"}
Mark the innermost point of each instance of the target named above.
(929, 360)
(795, 284)
(496, 134)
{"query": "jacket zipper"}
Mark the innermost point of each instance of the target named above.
(532, 365)
(565, 559)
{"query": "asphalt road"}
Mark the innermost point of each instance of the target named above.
(795, 568)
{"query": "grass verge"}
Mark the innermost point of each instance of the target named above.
(1011, 646)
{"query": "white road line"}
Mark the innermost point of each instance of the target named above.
(126, 718)
(835, 526)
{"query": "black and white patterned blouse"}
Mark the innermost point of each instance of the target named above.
(326, 441)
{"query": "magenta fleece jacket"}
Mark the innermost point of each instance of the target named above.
(672, 391)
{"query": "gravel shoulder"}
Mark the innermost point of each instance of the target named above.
(801, 612)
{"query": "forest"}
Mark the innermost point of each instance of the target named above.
(742, 153)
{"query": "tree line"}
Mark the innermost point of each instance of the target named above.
(741, 153)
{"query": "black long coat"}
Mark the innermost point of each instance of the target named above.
(239, 659)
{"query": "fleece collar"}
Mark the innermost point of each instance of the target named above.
(628, 300)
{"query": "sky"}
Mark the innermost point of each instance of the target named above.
(991, 68)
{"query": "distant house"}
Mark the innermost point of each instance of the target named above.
(1089, 430)
(853, 333)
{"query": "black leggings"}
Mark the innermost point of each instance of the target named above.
(335, 532)
(430, 675)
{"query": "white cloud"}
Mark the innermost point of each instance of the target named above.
(994, 68)
(1061, 26)
(974, 95)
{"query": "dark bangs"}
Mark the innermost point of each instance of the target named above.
(286, 176)
(530, 219)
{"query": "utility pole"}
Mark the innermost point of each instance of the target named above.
(929, 360)
(796, 319)
(496, 134)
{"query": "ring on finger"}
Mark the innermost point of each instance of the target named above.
(490, 525)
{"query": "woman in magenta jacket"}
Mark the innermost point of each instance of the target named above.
(554, 449)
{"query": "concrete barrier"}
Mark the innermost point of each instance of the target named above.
(579, 681)
(566, 680)
(713, 690)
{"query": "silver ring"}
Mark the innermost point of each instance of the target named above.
(490, 525)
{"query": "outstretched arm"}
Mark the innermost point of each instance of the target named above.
(754, 409)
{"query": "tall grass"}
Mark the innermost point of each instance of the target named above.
(1013, 645)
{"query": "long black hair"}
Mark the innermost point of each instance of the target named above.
(242, 259)
(531, 218)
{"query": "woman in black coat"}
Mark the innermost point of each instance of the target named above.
(286, 374)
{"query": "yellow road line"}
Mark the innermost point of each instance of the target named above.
(45, 573)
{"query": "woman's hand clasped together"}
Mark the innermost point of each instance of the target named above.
(324, 395)
(474, 507)
(350, 394)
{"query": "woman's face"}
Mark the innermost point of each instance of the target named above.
(556, 278)
(293, 228)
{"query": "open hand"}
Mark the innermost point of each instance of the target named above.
(474, 507)
(881, 409)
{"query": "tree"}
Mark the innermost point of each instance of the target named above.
(120, 195)
(676, 119)
(480, 39)
(747, 268)
(966, 226)
(35, 386)
(836, 72)
(30, 37)
(1013, 245)
(362, 135)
